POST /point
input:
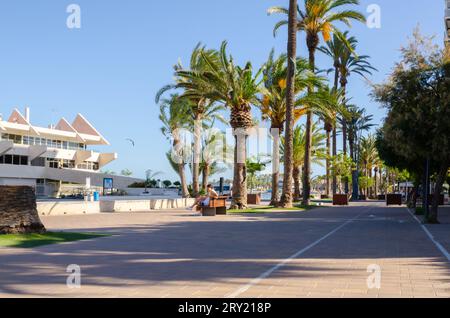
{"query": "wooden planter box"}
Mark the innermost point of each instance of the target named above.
(324, 196)
(394, 199)
(431, 198)
(254, 199)
(340, 199)
(382, 197)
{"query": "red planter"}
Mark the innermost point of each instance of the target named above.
(254, 199)
(340, 199)
(394, 199)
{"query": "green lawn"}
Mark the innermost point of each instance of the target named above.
(34, 240)
(271, 209)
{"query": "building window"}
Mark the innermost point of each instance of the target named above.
(14, 160)
(87, 165)
(53, 163)
(31, 141)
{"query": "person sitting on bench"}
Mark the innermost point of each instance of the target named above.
(204, 200)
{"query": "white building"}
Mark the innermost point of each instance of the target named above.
(55, 158)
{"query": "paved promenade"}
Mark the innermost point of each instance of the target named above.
(325, 252)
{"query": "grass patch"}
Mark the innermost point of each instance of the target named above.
(35, 240)
(271, 209)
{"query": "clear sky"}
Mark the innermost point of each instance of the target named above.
(111, 68)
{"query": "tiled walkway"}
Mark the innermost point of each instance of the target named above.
(321, 253)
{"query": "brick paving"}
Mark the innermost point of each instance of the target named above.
(176, 254)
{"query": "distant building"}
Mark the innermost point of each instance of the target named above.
(55, 158)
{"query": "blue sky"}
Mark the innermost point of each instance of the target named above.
(111, 68)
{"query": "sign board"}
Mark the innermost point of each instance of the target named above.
(108, 186)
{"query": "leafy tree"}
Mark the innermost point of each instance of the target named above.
(126, 172)
(254, 166)
(177, 184)
(365, 182)
(342, 167)
(167, 183)
(416, 128)
(108, 172)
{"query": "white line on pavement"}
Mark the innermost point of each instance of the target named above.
(438, 245)
(266, 274)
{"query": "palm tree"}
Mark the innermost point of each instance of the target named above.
(368, 155)
(358, 122)
(334, 103)
(286, 197)
(335, 49)
(273, 103)
(351, 64)
(254, 165)
(235, 88)
(317, 18)
(174, 115)
(318, 141)
(203, 109)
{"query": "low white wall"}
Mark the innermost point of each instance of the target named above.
(131, 206)
(82, 207)
(67, 208)
(152, 192)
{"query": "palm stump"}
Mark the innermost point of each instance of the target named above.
(18, 212)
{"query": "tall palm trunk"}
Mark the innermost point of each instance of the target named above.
(328, 165)
(184, 187)
(286, 197)
(275, 165)
(296, 175)
(376, 183)
(334, 155)
(336, 83)
(344, 131)
(312, 42)
(196, 163)
(205, 175)
(181, 173)
(353, 155)
(241, 120)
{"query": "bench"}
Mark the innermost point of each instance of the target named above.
(217, 206)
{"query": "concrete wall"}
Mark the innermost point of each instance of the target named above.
(67, 208)
(83, 207)
(163, 192)
(18, 182)
(66, 175)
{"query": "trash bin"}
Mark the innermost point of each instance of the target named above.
(96, 196)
